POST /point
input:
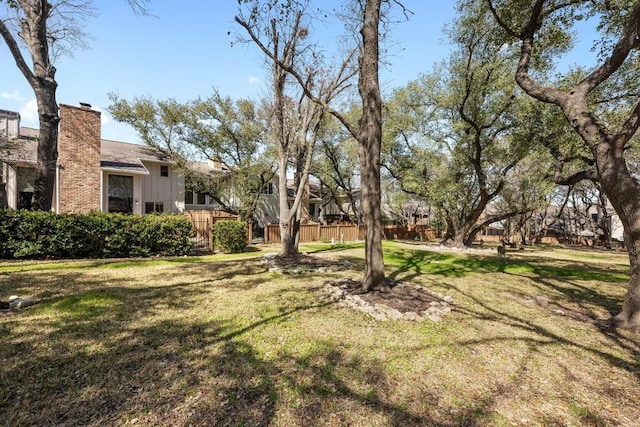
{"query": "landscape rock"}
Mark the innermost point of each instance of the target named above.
(434, 318)
(412, 317)
(539, 301)
(17, 302)
(302, 264)
(339, 292)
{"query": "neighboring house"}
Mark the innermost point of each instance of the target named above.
(613, 222)
(195, 201)
(338, 208)
(581, 224)
(268, 211)
(93, 174)
(412, 212)
(268, 206)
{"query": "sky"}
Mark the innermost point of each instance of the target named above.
(185, 51)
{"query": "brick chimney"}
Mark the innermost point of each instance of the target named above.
(79, 159)
(9, 124)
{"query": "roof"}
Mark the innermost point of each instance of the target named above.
(128, 158)
(313, 191)
(21, 151)
(114, 155)
(205, 170)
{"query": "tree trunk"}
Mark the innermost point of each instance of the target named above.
(369, 141)
(33, 31)
(468, 241)
(629, 317)
(459, 238)
(624, 195)
(47, 147)
(287, 234)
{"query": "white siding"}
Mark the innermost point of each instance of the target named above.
(168, 190)
(12, 192)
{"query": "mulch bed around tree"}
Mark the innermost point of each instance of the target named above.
(403, 297)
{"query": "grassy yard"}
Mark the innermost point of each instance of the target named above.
(219, 341)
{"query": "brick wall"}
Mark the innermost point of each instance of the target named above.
(79, 159)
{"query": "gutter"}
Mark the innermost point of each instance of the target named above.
(57, 188)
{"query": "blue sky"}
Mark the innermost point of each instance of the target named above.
(185, 51)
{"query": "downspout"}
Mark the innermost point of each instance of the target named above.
(57, 188)
(101, 193)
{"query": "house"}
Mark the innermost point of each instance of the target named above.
(196, 201)
(268, 211)
(92, 174)
(317, 206)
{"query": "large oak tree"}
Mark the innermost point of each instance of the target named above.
(452, 135)
(542, 28)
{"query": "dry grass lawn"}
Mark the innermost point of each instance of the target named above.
(219, 341)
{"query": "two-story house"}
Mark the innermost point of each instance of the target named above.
(92, 174)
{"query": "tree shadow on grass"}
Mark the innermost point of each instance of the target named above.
(125, 368)
(580, 296)
(411, 263)
(43, 285)
(543, 336)
(326, 394)
(194, 372)
(407, 264)
(104, 355)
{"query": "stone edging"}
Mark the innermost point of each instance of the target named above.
(382, 312)
(16, 302)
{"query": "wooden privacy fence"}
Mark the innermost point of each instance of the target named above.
(337, 233)
(203, 221)
(318, 233)
(409, 232)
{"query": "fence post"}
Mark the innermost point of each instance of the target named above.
(210, 228)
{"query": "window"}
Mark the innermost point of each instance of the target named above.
(121, 194)
(268, 189)
(26, 178)
(164, 170)
(193, 198)
(150, 207)
(24, 199)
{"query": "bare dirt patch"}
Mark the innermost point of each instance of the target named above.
(404, 297)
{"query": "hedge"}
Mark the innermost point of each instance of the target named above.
(230, 236)
(27, 234)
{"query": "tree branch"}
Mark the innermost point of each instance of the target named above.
(17, 54)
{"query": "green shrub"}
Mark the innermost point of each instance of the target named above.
(25, 234)
(230, 236)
